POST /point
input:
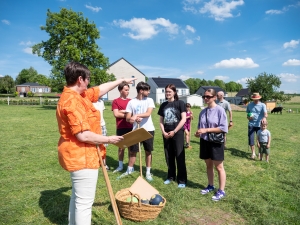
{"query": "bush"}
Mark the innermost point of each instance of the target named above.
(16, 94)
(30, 94)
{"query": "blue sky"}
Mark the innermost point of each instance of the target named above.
(231, 40)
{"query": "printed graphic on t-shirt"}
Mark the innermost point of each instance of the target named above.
(170, 116)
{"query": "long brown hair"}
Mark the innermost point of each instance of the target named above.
(173, 88)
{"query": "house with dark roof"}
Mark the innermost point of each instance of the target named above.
(203, 89)
(124, 69)
(33, 87)
(244, 92)
(158, 85)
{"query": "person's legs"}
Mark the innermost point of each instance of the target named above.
(187, 137)
(178, 143)
(83, 194)
(251, 134)
(170, 159)
(210, 171)
(221, 173)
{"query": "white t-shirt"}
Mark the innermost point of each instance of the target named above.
(100, 106)
(136, 106)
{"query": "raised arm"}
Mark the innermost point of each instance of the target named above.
(106, 87)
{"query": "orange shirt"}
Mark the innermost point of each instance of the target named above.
(75, 113)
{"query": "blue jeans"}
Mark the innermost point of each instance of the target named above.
(251, 133)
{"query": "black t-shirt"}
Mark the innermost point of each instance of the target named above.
(171, 112)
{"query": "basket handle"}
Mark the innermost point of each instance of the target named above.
(138, 197)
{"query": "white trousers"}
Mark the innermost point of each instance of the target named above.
(84, 184)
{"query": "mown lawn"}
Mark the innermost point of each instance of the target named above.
(36, 190)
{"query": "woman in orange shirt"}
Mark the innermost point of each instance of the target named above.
(79, 127)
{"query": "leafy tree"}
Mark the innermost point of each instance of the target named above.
(7, 84)
(26, 75)
(193, 84)
(72, 38)
(220, 83)
(42, 80)
(267, 85)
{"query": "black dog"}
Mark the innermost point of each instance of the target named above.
(277, 110)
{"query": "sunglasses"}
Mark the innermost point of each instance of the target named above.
(207, 96)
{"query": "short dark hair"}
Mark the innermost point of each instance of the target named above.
(122, 85)
(73, 70)
(142, 86)
(188, 105)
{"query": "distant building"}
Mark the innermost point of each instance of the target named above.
(124, 69)
(158, 85)
(244, 92)
(203, 89)
(33, 87)
(194, 100)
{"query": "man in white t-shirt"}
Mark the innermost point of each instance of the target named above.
(99, 105)
(138, 111)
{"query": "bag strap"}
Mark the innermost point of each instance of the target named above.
(206, 120)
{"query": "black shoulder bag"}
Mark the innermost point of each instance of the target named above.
(215, 137)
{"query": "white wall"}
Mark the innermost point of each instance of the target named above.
(122, 69)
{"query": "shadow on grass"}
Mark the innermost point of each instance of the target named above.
(55, 205)
(239, 153)
(162, 174)
(48, 107)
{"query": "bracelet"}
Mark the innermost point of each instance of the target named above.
(108, 140)
(230, 121)
(174, 131)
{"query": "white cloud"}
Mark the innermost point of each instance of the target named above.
(289, 77)
(283, 10)
(221, 77)
(220, 9)
(274, 11)
(184, 77)
(292, 62)
(236, 63)
(145, 29)
(197, 38)
(189, 42)
(200, 72)
(291, 44)
(5, 22)
(94, 9)
(1, 75)
(28, 50)
(244, 80)
(28, 43)
(190, 28)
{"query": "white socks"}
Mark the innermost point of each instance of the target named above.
(148, 170)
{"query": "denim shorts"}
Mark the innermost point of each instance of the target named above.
(251, 134)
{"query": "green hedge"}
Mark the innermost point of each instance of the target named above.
(28, 102)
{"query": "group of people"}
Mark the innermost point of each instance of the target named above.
(81, 133)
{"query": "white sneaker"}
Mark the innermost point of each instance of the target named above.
(149, 177)
(119, 169)
(125, 174)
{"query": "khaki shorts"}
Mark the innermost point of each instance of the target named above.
(263, 148)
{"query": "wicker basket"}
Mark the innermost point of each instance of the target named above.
(136, 211)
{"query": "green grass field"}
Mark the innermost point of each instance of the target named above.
(36, 190)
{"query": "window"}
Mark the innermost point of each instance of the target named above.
(183, 91)
(163, 90)
(133, 82)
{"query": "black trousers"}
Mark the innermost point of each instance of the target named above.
(175, 153)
